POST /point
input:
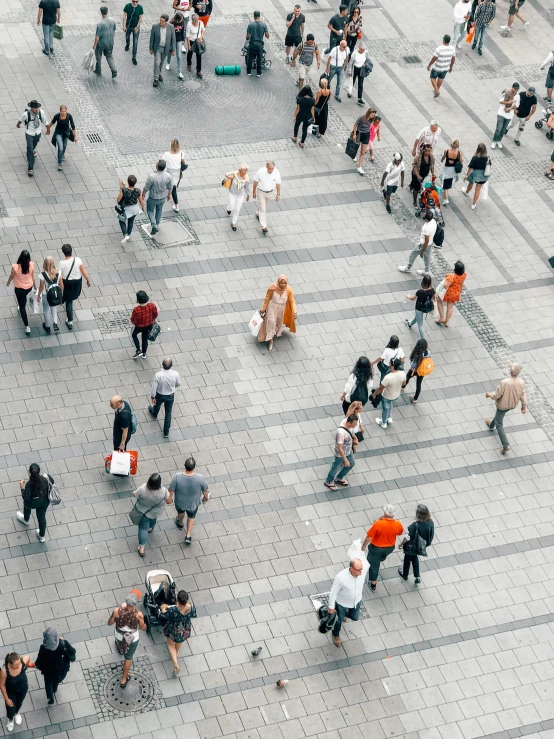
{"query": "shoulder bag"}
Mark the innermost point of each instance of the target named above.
(487, 170)
(136, 516)
(53, 490)
(417, 545)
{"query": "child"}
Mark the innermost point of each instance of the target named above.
(374, 131)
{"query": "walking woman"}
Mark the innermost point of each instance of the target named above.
(49, 277)
(54, 660)
(34, 492)
(424, 527)
(194, 36)
(173, 160)
(131, 203)
(321, 107)
(178, 23)
(177, 626)
(477, 173)
(143, 318)
(23, 276)
(424, 298)
(393, 350)
(353, 29)
(419, 353)
(423, 165)
(65, 131)
(358, 60)
(14, 686)
(451, 293)
(389, 390)
(453, 162)
(303, 114)
(151, 499)
(239, 191)
(358, 385)
(355, 409)
(278, 310)
(361, 127)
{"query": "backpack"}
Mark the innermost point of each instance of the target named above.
(438, 238)
(53, 490)
(426, 366)
(360, 393)
(429, 305)
(54, 293)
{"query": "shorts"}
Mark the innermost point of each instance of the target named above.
(435, 74)
(550, 78)
(364, 138)
(132, 649)
(512, 10)
(190, 514)
(293, 40)
(391, 189)
(303, 71)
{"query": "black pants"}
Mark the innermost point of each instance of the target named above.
(410, 559)
(198, 60)
(21, 297)
(358, 76)
(144, 330)
(345, 406)
(304, 123)
(174, 195)
(130, 32)
(51, 687)
(40, 513)
(126, 229)
(351, 43)
(17, 697)
(376, 555)
(254, 50)
(167, 401)
(419, 380)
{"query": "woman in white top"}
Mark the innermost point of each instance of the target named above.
(173, 159)
(355, 409)
(194, 35)
(393, 350)
(49, 276)
(358, 385)
(358, 60)
(239, 191)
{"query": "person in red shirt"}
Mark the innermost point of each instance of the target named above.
(143, 318)
(381, 538)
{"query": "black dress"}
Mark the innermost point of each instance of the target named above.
(424, 169)
(322, 116)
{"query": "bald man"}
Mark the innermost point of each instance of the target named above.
(345, 598)
(509, 393)
(122, 423)
(163, 392)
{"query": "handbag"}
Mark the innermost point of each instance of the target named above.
(441, 290)
(367, 69)
(184, 166)
(487, 170)
(458, 167)
(136, 516)
(326, 619)
(58, 32)
(375, 399)
(120, 463)
(226, 182)
(154, 332)
(417, 546)
(53, 491)
(199, 47)
(255, 323)
(352, 147)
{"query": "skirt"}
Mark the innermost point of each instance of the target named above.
(478, 177)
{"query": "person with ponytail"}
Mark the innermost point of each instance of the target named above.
(34, 492)
(23, 278)
(14, 686)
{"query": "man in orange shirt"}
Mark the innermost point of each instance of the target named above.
(381, 538)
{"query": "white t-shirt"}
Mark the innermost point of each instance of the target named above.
(388, 354)
(510, 115)
(32, 123)
(359, 59)
(194, 31)
(393, 384)
(173, 165)
(444, 56)
(461, 9)
(65, 265)
(338, 56)
(428, 229)
(266, 181)
(184, 7)
(394, 173)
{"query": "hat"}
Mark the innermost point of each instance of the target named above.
(516, 85)
(50, 639)
(34, 104)
(132, 600)
(531, 89)
(142, 297)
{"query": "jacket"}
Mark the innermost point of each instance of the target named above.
(508, 394)
(290, 309)
(169, 38)
(54, 664)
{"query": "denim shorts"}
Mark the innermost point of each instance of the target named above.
(513, 10)
(435, 74)
(190, 514)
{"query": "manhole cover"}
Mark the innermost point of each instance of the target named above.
(191, 85)
(112, 321)
(322, 599)
(136, 696)
(175, 231)
(412, 59)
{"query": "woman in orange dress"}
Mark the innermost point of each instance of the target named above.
(453, 283)
(278, 310)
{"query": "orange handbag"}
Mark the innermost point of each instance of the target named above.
(360, 34)
(470, 35)
(227, 182)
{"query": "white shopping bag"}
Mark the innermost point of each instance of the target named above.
(121, 463)
(35, 302)
(255, 323)
(355, 550)
(89, 61)
(348, 85)
(485, 191)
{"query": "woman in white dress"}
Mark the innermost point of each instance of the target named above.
(173, 159)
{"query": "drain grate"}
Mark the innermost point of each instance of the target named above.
(412, 59)
(94, 138)
(112, 321)
(322, 599)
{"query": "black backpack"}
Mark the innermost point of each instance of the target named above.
(438, 238)
(429, 304)
(54, 293)
(360, 393)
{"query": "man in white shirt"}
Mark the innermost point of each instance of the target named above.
(423, 249)
(336, 65)
(461, 16)
(266, 182)
(346, 594)
(392, 177)
(33, 120)
(428, 135)
(441, 63)
(163, 393)
(509, 103)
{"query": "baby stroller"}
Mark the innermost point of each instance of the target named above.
(429, 200)
(266, 63)
(160, 588)
(548, 118)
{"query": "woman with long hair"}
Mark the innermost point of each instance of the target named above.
(475, 174)
(278, 310)
(151, 499)
(239, 191)
(132, 203)
(452, 158)
(422, 526)
(362, 127)
(23, 276)
(422, 166)
(419, 353)
(355, 409)
(178, 22)
(358, 385)
(48, 277)
(452, 284)
(321, 107)
(353, 29)
(392, 351)
(177, 626)
(304, 113)
(173, 159)
(425, 293)
(14, 686)
(34, 492)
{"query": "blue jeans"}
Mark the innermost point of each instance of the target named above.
(167, 402)
(126, 225)
(480, 36)
(32, 143)
(145, 524)
(131, 32)
(337, 471)
(48, 33)
(154, 210)
(344, 612)
(61, 143)
(502, 125)
(386, 407)
(178, 45)
(336, 71)
(418, 318)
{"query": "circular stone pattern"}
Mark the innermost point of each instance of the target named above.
(135, 697)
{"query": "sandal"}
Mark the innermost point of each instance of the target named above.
(331, 486)
(342, 483)
(445, 324)
(439, 322)
(141, 554)
(123, 685)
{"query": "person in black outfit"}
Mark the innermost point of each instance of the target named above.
(421, 297)
(54, 659)
(255, 34)
(424, 526)
(34, 492)
(14, 686)
(419, 353)
(304, 113)
(129, 197)
(65, 131)
(122, 430)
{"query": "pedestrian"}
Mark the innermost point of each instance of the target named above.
(428, 135)
(180, 25)
(133, 13)
(163, 392)
(189, 489)
(452, 286)
(159, 185)
(23, 276)
(295, 30)
(131, 202)
(392, 177)
(305, 51)
(51, 291)
(304, 114)
(374, 133)
(353, 29)
(355, 409)
(549, 167)
(358, 384)
(453, 164)
(174, 160)
(104, 41)
(361, 131)
(393, 350)
(507, 395)
(151, 499)
(49, 13)
(336, 26)
(321, 107)
(266, 181)
(336, 65)
(33, 119)
(65, 131)
(424, 248)
(195, 40)
(419, 353)
(239, 191)
(359, 57)
(380, 541)
(422, 166)
(525, 111)
(484, 16)
(424, 298)
(549, 83)
(143, 319)
(422, 526)
(161, 46)
(461, 16)
(513, 11)
(509, 103)
(54, 659)
(128, 622)
(278, 310)
(122, 423)
(177, 626)
(203, 8)
(183, 7)
(255, 34)
(343, 462)
(34, 492)
(345, 598)
(441, 63)
(389, 389)
(477, 173)
(14, 686)
(72, 272)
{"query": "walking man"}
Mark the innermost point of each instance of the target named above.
(345, 598)
(163, 392)
(72, 271)
(189, 489)
(441, 63)
(513, 11)
(336, 65)
(336, 27)
(424, 248)
(462, 12)
(509, 104)
(133, 14)
(507, 395)
(295, 30)
(306, 52)
(343, 462)
(122, 423)
(392, 177)
(50, 14)
(266, 182)
(549, 84)
(525, 111)
(428, 135)
(484, 16)
(33, 120)
(255, 34)
(159, 186)
(381, 539)
(162, 46)
(128, 621)
(104, 41)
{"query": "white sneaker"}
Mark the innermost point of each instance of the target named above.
(473, 206)
(9, 726)
(404, 269)
(21, 518)
(506, 28)
(42, 539)
(499, 144)
(380, 423)
(525, 24)
(389, 420)
(176, 208)
(18, 719)
(27, 329)
(360, 170)
(493, 145)
(180, 76)
(125, 239)
(445, 202)
(168, 66)
(421, 272)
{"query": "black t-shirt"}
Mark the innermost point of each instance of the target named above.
(295, 30)
(421, 297)
(122, 420)
(478, 162)
(525, 105)
(133, 14)
(36, 497)
(338, 23)
(202, 7)
(63, 124)
(306, 104)
(49, 11)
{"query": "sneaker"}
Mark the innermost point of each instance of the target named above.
(445, 202)
(167, 66)
(69, 325)
(500, 144)
(493, 145)
(516, 142)
(135, 62)
(42, 539)
(407, 322)
(160, 78)
(9, 726)
(338, 99)
(199, 74)
(60, 166)
(259, 75)
(27, 329)
(380, 423)
(114, 75)
(18, 719)
(137, 354)
(125, 239)
(405, 269)
(473, 206)
(180, 76)
(44, 51)
(51, 702)
(188, 540)
(402, 574)
(143, 356)
(249, 74)
(360, 171)
(126, 47)
(21, 517)
(176, 208)
(417, 580)
(505, 28)
(421, 272)
(56, 327)
(166, 436)
(179, 525)
(46, 328)
(361, 102)
(287, 60)
(389, 419)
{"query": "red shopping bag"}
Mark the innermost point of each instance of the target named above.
(134, 462)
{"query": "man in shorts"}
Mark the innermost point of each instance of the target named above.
(295, 30)
(514, 9)
(393, 174)
(189, 489)
(306, 51)
(441, 63)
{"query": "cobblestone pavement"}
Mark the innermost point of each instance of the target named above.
(468, 653)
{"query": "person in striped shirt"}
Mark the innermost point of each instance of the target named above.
(441, 63)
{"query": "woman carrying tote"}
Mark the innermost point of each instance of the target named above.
(424, 527)
(151, 499)
(450, 292)
(131, 202)
(174, 159)
(278, 310)
(478, 173)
